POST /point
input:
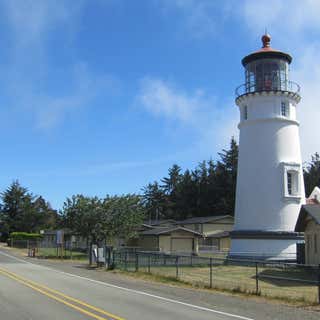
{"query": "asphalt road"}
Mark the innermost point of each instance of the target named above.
(32, 291)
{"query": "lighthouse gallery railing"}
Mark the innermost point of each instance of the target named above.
(268, 86)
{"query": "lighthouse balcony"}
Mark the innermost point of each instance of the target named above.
(287, 87)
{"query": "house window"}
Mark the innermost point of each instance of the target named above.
(284, 109)
(245, 113)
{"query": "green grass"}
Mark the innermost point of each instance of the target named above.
(241, 279)
(66, 254)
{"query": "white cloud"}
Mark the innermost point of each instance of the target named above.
(307, 74)
(208, 18)
(85, 87)
(162, 98)
(31, 20)
(214, 121)
(31, 82)
(281, 17)
(199, 17)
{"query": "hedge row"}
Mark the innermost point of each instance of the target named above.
(25, 236)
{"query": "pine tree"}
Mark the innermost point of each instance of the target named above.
(227, 177)
(153, 198)
(311, 174)
(170, 187)
(22, 211)
(207, 190)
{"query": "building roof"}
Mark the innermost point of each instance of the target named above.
(218, 234)
(204, 219)
(266, 52)
(159, 222)
(168, 230)
(312, 210)
(314, 197)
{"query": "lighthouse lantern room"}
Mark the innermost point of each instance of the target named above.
(270, 188)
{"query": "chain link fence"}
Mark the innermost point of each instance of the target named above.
(272, 279)
(45, 249)
(294, 282)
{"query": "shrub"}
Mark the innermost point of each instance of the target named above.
(21, 239)
(25, 236)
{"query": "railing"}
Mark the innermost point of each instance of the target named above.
(268, 85)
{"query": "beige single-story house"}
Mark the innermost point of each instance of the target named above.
(309, 223)
(215, 241)
(207, 225)
(194, 235)
(215, 231)
(174, 239)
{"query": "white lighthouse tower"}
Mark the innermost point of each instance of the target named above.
(270, 188)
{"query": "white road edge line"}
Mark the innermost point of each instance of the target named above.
(132, 290)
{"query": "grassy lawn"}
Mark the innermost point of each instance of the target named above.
(66, 254)
(242, 279)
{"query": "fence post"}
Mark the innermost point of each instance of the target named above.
(211, 273)
(137, 261)
(149, 263)
(319, 284)
(191, 260)
(257, 279)
(177, 267)
(113, 257)
(125, 260)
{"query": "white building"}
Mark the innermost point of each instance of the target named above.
(270, 188)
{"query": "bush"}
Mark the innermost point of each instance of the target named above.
(25, 236)
(21, 239)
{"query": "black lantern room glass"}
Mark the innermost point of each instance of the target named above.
(266, 75)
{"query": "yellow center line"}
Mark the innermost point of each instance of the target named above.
(64, 295)
(46, 291)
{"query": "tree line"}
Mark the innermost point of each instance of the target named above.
(207, 190)
(90, 217)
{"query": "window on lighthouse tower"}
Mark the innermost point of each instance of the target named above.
(292, 183)
(284, 109)
(245, 113)
(292, 188)
(289, 182)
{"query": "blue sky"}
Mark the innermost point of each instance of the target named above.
(103, 96)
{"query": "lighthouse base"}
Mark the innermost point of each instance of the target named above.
(265, 245)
